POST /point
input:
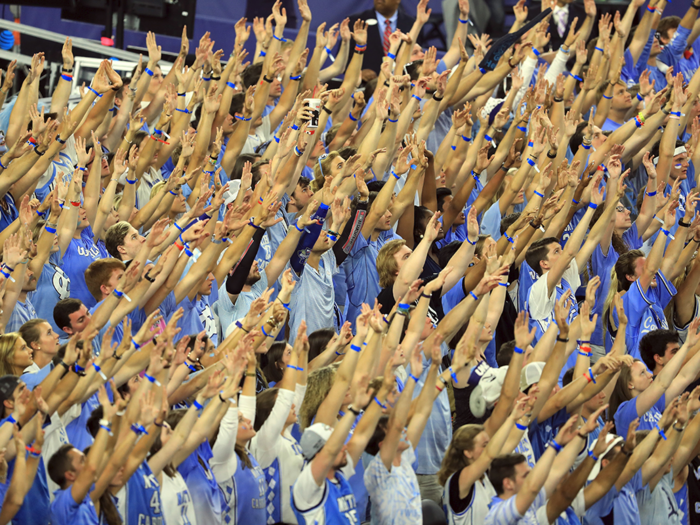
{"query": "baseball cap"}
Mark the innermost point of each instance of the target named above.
(612, 441)
(8, 383)
(314, 439)
(232, 192)
(531, 374)
(487, 392)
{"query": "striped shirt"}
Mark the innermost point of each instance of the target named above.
(506, 513)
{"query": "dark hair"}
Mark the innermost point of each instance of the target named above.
(346, 152)
(568, 377)
(655, 343)
(504, 467)
(421, 217)
(666, 23)
(618, 243)
(237, 104)
(59, 464)
(577, 138)
(442, 193)
(378, 436)
(318, 340)
(63, 309)
(237, 171)
(414, 68)
(446, 252)
(251, 75)
(505, 353)
(93, 422)
(274, 355)
(538, 251)
(624, 267)
(108, 510)
(507, 221)
(264, 403)
(370, 87)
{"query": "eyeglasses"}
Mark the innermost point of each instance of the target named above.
(621, 209)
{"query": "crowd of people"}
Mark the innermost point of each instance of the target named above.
(450, 290)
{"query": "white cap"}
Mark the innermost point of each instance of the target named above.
(531, 374)
(612, 441)
(314, 439)
(232, 192)
(487, 392)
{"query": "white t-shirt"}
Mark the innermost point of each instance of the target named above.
(176, 501)
(541, 303)
(263, 133)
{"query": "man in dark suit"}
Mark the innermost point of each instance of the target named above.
(383, 20)
(560, 22)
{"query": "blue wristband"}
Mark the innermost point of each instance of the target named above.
(50, 229)
(413, 377)
(454, 376)
(531, 162)
(599, 49)
(231, 85)
(473, 243)
(263, 54)
(518, 350)
(391, 56)
(520, 427)
(454, 148)
(416, 97)
(537, 53)
(606, 97)
(264, 332)
(466, 139)
(379, 403)
(651, 194)
(327, 50)
(590, 454)
(182, 110)
(590, 374)
(538, 194)
(298, 77)
(463, 21)
(197, 405)
(487, 138)
(640, 97)
(474, 296)
(148, 72)
(521, 128)
(556, 446)
(355, 348)
(351, 117)
(661, 432)
(592, 205)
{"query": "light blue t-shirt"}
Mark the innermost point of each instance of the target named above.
(21, 313)
(228, 312)
(66, 511)
(53, 286)
(627, 412)
(659, 506)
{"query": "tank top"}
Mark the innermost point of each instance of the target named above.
(245, 494)
(478, 507)
(337, 506)
(178, 508)
(142, 498)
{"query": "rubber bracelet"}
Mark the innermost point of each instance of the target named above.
(131, 181)
(105, 427)
(298, 77)
(606, 97)
(463, 21)
(574, 201)
(416, 97)
(361, 46)
(118, 293)
(197, 405)
(139, 429)
(466, 139)
(577, 78)
(473, 243)
(530, 144)
(49, 229)
(379, 403)
(640, 97)
(556, 446)
(521, 128)
(391, 56)
(454, 148)
(482, 70)
(392, 121)
(509, 238)
(397, 177)
(327, 50)
(487, 138)
(206, 79)
(585, 147)
(518, 350)
(5, 167)
(454, 376)
(150, 378)
(440, 389)
(592, 205)
(584, 354)
(148, 72)
(265, 333)
(191, 367)
(537, 53)
(251, 223)
(413, 377)
(665, 231)
(661, 432)
(651, 194)
(294, 127)
(136, 345)
(590, 454)
(599, 49)
(95, 92)
(531, 162)
(297, 227)
(67, 78)
(183, 110)
(355, 348)
(474, 296)
(590, 372)
(538, 194)
(520, 427)
(503, 284)
(182, 94)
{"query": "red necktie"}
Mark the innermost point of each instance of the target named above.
(387, 34)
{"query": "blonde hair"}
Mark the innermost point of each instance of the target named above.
(386, 264)
(319, 383)
(155, 190)
(117, 200)
(455, 460)
(321, 169)
(7, 353)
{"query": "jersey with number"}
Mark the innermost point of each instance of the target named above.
(478, 502)
(78, 256)
(142, 498)
(245, 494)
(209, 502)
(525, 448)
(337, 505)
(53, 286)
(61, 168)
(178, 508)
